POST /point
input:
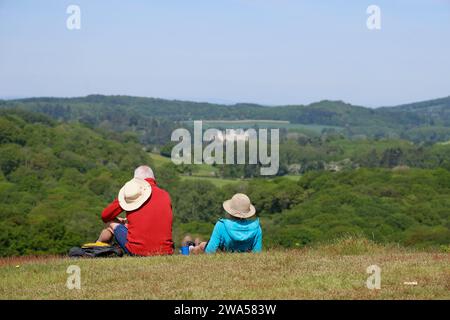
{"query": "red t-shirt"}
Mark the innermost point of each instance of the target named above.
(150, 226)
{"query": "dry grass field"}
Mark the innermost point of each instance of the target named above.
(334, 271)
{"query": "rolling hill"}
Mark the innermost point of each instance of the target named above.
(154, 119)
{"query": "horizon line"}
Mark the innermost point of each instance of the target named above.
(18, 98)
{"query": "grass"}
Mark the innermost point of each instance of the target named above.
(158, 159)
(219, 182)
(201, 170)
(333, 271)
(292, 177)
(206, 172)
(269, 124)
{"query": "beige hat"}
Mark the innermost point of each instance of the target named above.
(134, 193)
(239, 206)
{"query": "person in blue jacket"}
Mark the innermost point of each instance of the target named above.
(239, 231)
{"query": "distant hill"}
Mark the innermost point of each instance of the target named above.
(436, 111)
(436, 105)
(155, 118)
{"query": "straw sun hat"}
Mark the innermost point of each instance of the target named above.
(134, 193)
(239, 206)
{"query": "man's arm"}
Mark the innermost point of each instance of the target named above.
(111, 211)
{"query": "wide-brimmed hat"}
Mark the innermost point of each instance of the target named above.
(239, 206)
(134, 193)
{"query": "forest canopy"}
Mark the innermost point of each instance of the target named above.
(61, 167)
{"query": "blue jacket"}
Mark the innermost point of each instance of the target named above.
(236, 235)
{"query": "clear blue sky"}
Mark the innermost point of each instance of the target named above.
(262, 51)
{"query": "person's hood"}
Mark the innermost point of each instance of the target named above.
(241, 230)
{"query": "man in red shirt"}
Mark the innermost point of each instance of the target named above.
(147, 229)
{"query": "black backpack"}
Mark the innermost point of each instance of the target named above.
(95, 251)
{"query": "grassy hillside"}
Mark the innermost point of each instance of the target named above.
(310, 129)
(218, 182)
(158, 160)
(335, 271)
